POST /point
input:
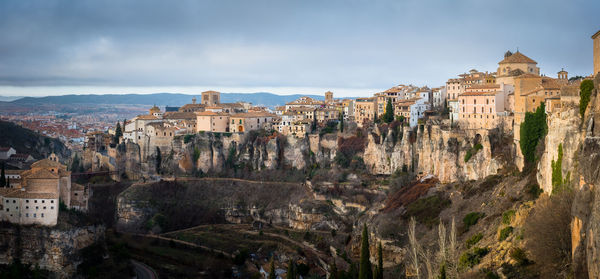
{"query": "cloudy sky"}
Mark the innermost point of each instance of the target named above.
(353, 47)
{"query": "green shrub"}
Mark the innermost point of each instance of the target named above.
(507, 216)
(474, 240)
(471, 258)
(472, 218)
(472, 151)
(534, 190)
(558, 183)
(585, 91)
(533, 128)
(196, 154)
(519, 256)
(504, 233)
(187, 138)
(468, 155)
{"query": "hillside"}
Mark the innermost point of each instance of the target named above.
(160, 99)
(26, 141)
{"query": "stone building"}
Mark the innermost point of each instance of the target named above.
(211, 98)
(243, 122)
(365, 110)
(596, 38)
(515, 64)
(209, 121)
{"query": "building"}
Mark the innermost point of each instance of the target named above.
(193, 107)
(596, 38)
(365, 110)
(480, 105)
(244, 122)
(304, 102)
(438, 97)
(328, 97)
(6, 152)
(36, 200)
(209, 121)
(515, 64)
(211, 98)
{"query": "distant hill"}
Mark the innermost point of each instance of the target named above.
(160, 99)
(27, 141)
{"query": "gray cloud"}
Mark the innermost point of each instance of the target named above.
(352, 44)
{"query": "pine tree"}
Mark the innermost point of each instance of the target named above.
(388, 116)
(365, 270)
(379, 262)
(2, 177)
(272, 270)
(291, 271)
(333, 271)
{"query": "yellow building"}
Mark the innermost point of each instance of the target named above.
(211, 98)
(596, 38)
(515, 64)
(244, 122)
(209, 121)
(365, 110)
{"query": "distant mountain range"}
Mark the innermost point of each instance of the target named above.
(159, 99)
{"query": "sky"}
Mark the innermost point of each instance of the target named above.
(353, 47)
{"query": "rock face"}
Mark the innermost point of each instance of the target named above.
(585, 229)
(52, 249)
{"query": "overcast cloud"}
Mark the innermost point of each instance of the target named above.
(53, 47)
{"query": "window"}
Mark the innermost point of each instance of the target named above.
(8, 209)
(43, 201)
(42, 215)
(26, 214)
(52, 201)
(14, 201)
(34, 215)
(35, 201)
(52, 207)
(44, 207)
(27, 207)
(37, 207)
(27, 201)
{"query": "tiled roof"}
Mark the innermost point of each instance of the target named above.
(6, 191)
(146, 117)
(252, 114)
(517, 57)
(19, 194)
(210, 91)
(485, 93)
(4, 149)
(596, 35)
(39, 174)
(46, 163)
(179, 115)
(211, 113)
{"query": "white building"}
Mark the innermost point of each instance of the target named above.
(6, 152)
(439, 97)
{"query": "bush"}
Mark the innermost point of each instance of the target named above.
(187, 138)
(468, 155)
(507, 216)
(534, 190)
(504, 233)
(585, 91)
(558, 183)
(471, 258)
(196, 154)
(519, 256)
(472, 218)
(547, 232)
(474, 240)
(426, 210)
(533, 129)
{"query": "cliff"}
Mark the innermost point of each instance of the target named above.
(53, 249)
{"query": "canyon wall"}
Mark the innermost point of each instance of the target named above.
(53, 249)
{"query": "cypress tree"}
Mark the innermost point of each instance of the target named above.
(291, 271)
(8, 182)
(158, 159)
(333, 271)
(365, 270)
(272, 270)
(118, 133)
(341, 122)
(379, 262)
(388, 116)
(2, 177)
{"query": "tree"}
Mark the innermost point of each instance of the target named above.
(365, 271)
(379, 273)
(272, 270)
(341, 117)
(158, 160)
(75, 164)
(533, 128)
(585, 92)
(333, 271)
(2, 177)
(118, 133)
(388, 116)
(8, 182)
(291, 271)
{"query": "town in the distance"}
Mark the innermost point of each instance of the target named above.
(479, 109)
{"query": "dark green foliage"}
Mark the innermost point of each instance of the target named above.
(332, 270)
(62, 206)
(519, 256)
(534, 190)
(504, 233)
(118, 133)
(491, 275)
(472, 151)
(442, 272)
(473, 257)
(291, 270)
(187, 138)
(558, 183)
(379, 269)
(329, 128)
(507, 216)
(196, 154)
(75, 164)
(158, 159)
(341, 120)
(388, 116)
(472, 219)
(19, 270)
(272, 270)
(473, 240)
(426, 210)
(241, 257)
(302, 269)
(585, 92)
(365, 270)
(533, 129)
(2, 177)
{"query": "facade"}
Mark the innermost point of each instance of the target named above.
(438, 97)
(6, 152)
(328, 97)
(365, 110)
(304, 102)
(211, 98)
(596, 46)
(244, 122)
(515, 64)
(208, 121)
(480, 105)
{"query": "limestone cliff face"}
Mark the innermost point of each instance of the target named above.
(585, 228)
(434, 150)
(53, 249)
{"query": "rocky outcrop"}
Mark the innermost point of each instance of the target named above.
(53, 249)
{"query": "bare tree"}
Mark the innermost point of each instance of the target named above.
(414, 249)
(453, 251)
(446, 254)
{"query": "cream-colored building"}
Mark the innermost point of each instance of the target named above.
(209, 121)
(244, 122)
(365, 110)
(596, 38)
(515, 64)
(481, 104)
